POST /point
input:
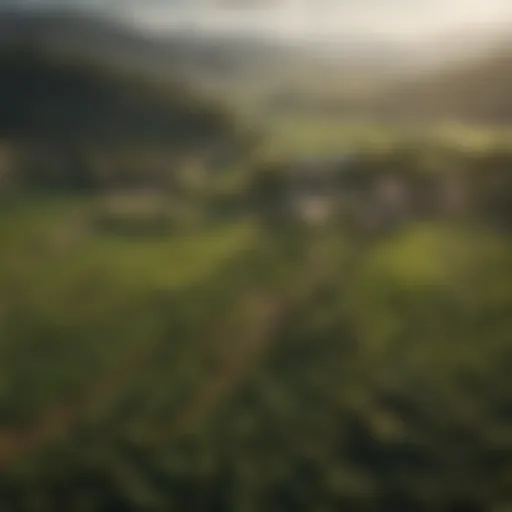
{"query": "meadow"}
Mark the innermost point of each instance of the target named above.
(237, 364)
(175, 336)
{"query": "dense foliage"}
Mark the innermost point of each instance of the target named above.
(77, 124)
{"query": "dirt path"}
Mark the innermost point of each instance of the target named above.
(260, 314)
(242, 352)
(240, 348)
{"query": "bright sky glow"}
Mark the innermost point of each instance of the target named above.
(304, 18)
(311, 18)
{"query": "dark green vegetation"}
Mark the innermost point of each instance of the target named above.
(237, 368)
(173, 336)
(72, 124)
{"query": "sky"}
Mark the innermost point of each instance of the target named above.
(304, 18)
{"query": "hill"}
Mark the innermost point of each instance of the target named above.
(179, 54)
(78, 122)
(478, 91)
(344, 75)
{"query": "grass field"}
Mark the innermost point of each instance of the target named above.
(320, 135)
(241, 365)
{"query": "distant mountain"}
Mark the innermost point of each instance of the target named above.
(76, 32)
(351, 70)
(226, 64)
(202, 54)
(478, 90)
(82, 35)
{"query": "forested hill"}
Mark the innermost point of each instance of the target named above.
(65, 110)
(85, 35)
